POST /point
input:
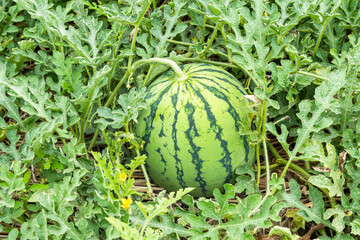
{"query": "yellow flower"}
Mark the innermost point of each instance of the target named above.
(123, 176)
(126, 203)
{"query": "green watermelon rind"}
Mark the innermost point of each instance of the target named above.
(191, 129)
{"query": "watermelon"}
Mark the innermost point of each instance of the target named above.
(191, 129)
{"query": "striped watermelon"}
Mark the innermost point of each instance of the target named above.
(191, 129)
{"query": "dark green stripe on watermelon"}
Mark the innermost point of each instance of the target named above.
(231, 108)
(162, 160)
(162, 134)
(150, 118)
(223, 97)
(179, 167)
(225, 78)
(246, 147)
(226, 160)
(191, 133)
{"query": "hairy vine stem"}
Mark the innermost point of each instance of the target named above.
(211, 40)
(180, 75)
(323, 27)
(263, 140)
(282, 161)
(127, 74)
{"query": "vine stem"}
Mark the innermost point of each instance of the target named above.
(229, 53)
(260, 203)
(312, 75)
(320, 37)
(262, 135)
(282, 161)
(258, 164)
(263, 140)
(148, 75)
(180, 75)
(298, 169)
(323, 28)
(180, 42)
(127, 74)
(267, 166)
(300, 141)
(272, 166)
(148, 184)
(211, 40)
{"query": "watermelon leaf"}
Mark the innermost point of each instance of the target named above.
(339, 236)
(283, 232)
(166, 223)
(166, 25)
(8, 102)
(13, 180)
(23, 154)
(146, 214)
(236, 220)
(130, 13)
(335, 183)
(338, 213)
(324, 100)
(130, 104)
(351, 141)
(57, 203)
(132, 233)
(315, 213)
(355, 226)
(245, 181)
(33, 94)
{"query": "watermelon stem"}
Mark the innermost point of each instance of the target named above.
(258, 164)
(211, 40)
(262, 135)
(312, 75)
(180, 42)
(180, 75)
(280, 160)
(148, 74)
(148, 184)
(127, 73)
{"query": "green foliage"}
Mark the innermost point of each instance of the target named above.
(67, 147)
(131, 104)
(132, 233)
(309, 214)
(284, 232)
